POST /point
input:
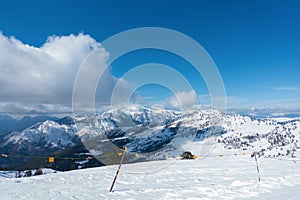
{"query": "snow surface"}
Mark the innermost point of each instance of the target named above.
(232, 177)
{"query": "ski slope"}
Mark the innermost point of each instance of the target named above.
(229, 177)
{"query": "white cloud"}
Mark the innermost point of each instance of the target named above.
(288, 88)
(22, 108)
(183, 100)
(231, 101)
(45, 75)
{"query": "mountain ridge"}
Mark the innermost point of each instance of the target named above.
(153, 134)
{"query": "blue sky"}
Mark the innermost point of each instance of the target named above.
(255, 44)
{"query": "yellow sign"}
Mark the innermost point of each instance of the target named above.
(51, 159)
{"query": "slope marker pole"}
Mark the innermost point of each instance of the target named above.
(118, 170)
(257, 167)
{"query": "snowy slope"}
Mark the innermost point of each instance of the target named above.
(269, 137)
(210, 178)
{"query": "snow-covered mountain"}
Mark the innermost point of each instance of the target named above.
(154, 134)
(268, 137)
(9, 123)
(48, 134)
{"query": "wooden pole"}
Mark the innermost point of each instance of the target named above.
(118, 170)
